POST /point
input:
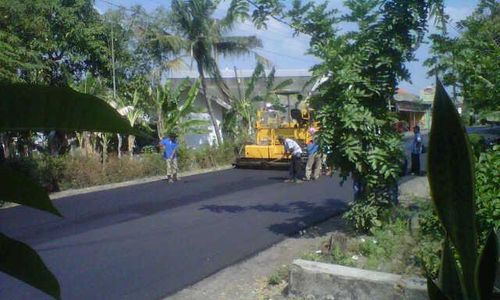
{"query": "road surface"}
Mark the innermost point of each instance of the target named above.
(150, 240)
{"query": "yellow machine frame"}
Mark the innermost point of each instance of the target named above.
(267, 148)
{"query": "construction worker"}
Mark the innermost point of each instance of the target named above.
(314, 158)
(293, 149)
(169, 146)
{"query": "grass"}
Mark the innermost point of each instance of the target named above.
(393, 247)
(279, 275)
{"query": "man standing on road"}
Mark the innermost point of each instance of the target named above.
(169, 146)
(292, 148)
(416, 150)
(314, 159)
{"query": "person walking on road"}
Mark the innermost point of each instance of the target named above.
(314, 159)
(416, 150)
(169, 146)
(292, 148)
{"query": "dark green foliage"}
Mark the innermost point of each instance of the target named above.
(477, 144)
(469, 63)
(54, 41)
(451, 179)
(31, 194)
(451, 182)
(364, 68)
(486, 268)
(487, 191)
(32, 107)
(20, 261)
(29, 107)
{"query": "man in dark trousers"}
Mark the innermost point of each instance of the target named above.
(416, 150)
(293, 149)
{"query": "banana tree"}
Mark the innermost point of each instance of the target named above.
(40, 108)
(173, 106)
(130, 107)
(244, 106)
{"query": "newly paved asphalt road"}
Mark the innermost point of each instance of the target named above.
(147, 241)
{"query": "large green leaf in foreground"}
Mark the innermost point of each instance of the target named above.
(33, 107)
(451, 182)
(20, 261)
(17, 188)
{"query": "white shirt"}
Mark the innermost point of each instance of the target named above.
(291, 146)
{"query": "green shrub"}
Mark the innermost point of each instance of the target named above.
(477, 144)
(487, 190)
(279, 275)
(79, 171)
(364, 215)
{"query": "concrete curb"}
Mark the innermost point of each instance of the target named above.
(314, 280)
(73, 192)
(110, 186)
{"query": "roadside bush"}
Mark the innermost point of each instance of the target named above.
(477, 144)
(279, 275)
(488, 191)
(45, 169)
(79, 171)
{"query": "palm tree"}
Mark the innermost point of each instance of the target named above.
(205, 35)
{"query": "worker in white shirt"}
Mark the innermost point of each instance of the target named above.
(293, 149)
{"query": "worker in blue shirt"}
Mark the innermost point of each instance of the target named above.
(169, 146)
(314, 159)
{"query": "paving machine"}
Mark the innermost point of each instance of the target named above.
(267, 152)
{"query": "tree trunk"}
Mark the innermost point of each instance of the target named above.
(104, 144)
(209, 105)
(120, 142)
(131, 143)
(159, 122)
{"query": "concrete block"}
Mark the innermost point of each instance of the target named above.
(321, 281)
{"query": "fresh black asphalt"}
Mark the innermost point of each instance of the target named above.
(150, 240)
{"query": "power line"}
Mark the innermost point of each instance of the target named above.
(281, 54)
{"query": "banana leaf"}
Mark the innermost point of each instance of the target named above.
(34, 107)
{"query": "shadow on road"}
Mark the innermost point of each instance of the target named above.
(307, 214)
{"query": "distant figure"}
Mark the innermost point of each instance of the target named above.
(292, 148)
(314, 158)
(416, 150)
(169, 146)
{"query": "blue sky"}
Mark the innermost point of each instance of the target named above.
(288, 52)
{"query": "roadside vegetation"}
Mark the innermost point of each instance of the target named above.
(408, 241)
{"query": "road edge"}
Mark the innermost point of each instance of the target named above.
(110, 186)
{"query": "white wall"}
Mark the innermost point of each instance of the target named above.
(198, 140)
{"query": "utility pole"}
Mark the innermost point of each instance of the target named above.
(118, 135)
(113, 61)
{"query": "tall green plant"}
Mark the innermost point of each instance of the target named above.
(205, 35)
(451, 178)
(172, 106)
(245, 106)
(29, 107)
(469, 62)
